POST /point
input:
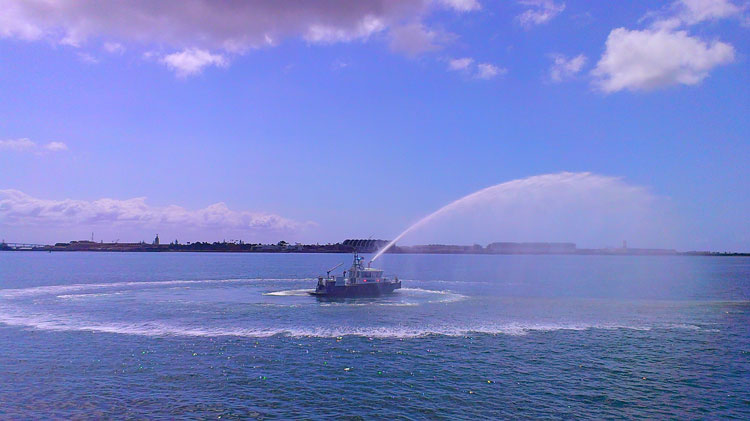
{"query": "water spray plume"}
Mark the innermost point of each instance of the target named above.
(577, 202)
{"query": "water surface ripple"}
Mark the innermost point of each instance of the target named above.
(237, 336)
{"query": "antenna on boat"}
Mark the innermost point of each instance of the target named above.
(328, 272)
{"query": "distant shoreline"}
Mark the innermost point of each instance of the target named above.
(361, 246)
(689, 253)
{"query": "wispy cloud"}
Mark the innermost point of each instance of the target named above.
(460, 63)
(478, 71)
(489, 71)
(329, 34)
(539, 12)
(87, 58)
(192, 61)
(113, 47)
(462, 5)
(339, 64)
(691, 12)
(56, 146)
(27, 145)
(564, 68)
(415, 38)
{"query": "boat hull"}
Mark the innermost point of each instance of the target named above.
(371, 289)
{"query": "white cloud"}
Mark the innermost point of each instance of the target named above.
(113, 47)
(460, 63)
(189, 35)
(192, 61)
(20, 209)
(489, 71)
(649, 59)
(462, 5)
(27, 145)
(17, 145)
(326, 34)
(56, 146)
(14, 25)
(694, 11)
(691, 12)
(207, 24)
(478, 71)
(565, 68)
(539, 12)
(665, 54)
(221, 27)
(414, 38)
(88, 58)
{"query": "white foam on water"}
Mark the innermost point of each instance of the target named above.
(291, 293)
(63, 289)
(428, 296)
(445, 281)
(685, 326)
(15, 311)
(445, 296)
(20, 317)
(84, 296)
(373, 302)
(160, 329)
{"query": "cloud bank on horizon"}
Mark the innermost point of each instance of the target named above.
(132, 216)
(192, 35)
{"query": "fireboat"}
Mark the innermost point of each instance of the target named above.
(358, 281)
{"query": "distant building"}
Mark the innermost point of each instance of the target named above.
(531, 248)
(365, 246)
(156, 240)
(442, 249)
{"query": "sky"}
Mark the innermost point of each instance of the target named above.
(317, 121)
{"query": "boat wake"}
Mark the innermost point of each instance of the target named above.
(89, 307)
(163, 329)
(401, 297)
(440, 296)
(290, 293)
(263, 308)
(61, 289)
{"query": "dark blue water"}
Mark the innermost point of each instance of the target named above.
(95, 335)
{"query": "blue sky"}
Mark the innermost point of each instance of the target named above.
(324, 121)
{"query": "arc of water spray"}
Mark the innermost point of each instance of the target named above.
(535, 181)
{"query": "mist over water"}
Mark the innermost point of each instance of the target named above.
(588, 209)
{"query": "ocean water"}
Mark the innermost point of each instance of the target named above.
(236, 336)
